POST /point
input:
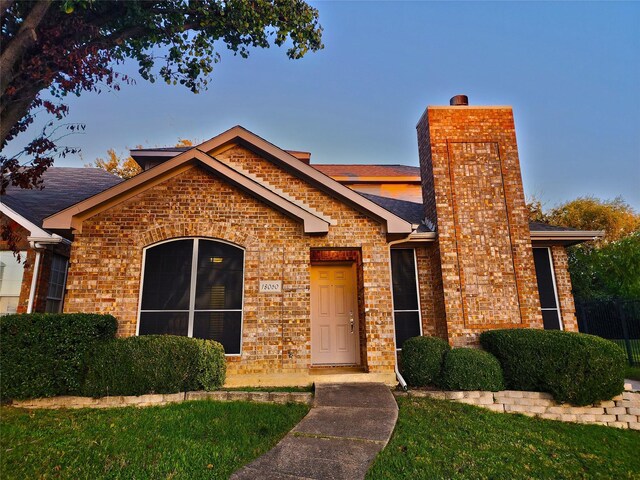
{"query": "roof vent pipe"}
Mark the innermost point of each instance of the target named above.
(459, 100)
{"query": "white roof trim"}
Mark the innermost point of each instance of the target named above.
(34, 230)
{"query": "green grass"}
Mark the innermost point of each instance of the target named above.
(188, 440)
(632, 373)
(439, 439)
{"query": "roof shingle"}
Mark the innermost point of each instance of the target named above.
(63, 186)
(358, 170)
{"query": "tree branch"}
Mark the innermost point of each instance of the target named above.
(23, 41)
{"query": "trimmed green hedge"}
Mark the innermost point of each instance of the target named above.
(421, 360)
(471, 369)
(42, 354)
(574, 367)
(154, 364)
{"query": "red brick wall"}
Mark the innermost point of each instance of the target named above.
(434, 322)
(473, 187)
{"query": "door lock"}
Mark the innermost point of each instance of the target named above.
(351, 323)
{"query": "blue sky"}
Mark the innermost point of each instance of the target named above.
(570, 70)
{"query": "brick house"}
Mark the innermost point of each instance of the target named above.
(303, 270)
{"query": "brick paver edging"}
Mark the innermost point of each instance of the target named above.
(622, 411)
(164, 399)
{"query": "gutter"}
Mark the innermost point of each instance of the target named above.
(567, 235)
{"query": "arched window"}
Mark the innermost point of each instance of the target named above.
(193, 287)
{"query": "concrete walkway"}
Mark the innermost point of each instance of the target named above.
(338, 439)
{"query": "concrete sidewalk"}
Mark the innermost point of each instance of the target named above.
(338, 439)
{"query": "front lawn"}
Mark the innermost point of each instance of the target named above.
(200, 439)
(440, 439)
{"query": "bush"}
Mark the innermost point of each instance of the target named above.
(154, 364)
(471, 369)
(421, 360)
(574, 367)
(42, 354)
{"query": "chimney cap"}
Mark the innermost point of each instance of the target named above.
(459, 100)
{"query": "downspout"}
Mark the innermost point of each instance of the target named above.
(38, 244)
(34, 277)
(401, 380)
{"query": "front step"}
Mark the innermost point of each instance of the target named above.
(319, 375)
(356, 377)
(334, 369)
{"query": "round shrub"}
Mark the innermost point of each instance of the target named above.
(471, 369)
(421, 360)
(154, 364)
(574, 367)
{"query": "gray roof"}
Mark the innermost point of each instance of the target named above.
(410, 211)
(63, 186)
(545, 227)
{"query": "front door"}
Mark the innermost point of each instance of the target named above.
(334, 315)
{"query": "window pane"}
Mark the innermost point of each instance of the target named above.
(405, 293)
(164, 323)
(167, 276)
(57, 277)
(407, 326)
(551, 320)
(10, 281)
(545, 279)
(223, 327)
(219, 281)
(52, 306)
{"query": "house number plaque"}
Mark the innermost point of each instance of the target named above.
(270, 286)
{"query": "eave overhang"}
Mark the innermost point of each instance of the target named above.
(416, 239)
(564, 237)
(37, 236)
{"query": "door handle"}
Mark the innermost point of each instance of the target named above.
(351, 320)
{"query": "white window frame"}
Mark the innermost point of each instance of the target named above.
(64, 281)
(23, 254)
(393, 308)
(192, 287)
(555, 287)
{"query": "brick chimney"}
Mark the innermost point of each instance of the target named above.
(472, 191)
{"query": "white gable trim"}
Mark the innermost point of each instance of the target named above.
(34, 230)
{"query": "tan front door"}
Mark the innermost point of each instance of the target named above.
(334, 316)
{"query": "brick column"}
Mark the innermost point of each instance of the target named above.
(472, 190)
